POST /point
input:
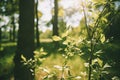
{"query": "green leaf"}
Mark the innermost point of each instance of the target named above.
(23, 58)
(44, 53)
(98, 53)
(36, 52)
(106, 65)
(86, 64)
(78, 77)
(100, 62)
(102, 38)
(41, 49)
(58, 67)
(104, 19)
(83, 73)
(65, 42)
(105, 72)
(56, 38)
(46, 70)
(64, 34)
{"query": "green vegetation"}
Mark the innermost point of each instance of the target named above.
(54, 70)
(55, 62)
(6, 60)
(81, 41)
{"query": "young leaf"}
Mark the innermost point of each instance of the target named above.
(100, 62)
(86, 64)
(41, 49)
(23, 58)
(58, 67)
(64, 34)
(78, 77)
(106, 65)
(56, 38)
(102, 38)
(100, 51)
(104, 19)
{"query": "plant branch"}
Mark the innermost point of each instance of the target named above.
(98, 19)
(85, 17)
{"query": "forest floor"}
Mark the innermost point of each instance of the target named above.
(51, 63)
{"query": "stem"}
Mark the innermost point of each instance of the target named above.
(91, 37)
(91, 58)
(85, 17)
(65, 63)
(98, 20)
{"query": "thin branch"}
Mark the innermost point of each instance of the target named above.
(85, 17)
(98, 19)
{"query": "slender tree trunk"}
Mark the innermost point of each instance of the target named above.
(10, 35)
(13, 31)
(37, 29)
(25, 43)
(0, 38)
(0, 34)
(55, 21)
(13, 21)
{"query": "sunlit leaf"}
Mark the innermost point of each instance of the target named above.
(31, 70)
(36, 52)
(94, 15)
(58, 67)
(46, 70)
(41, 49)
(100, 62)
(105, 72)
(66, 42)
(83, 73)
(102, 38)
(70, 54)
(44, 53)
(99, 1)
(78, 77)
(106, 65)
(56, 38)
(50, 75)
(61, 12)
(64, 34)
(104, 19)
(95, 60)
(86, 64)
(41, 59)
(115, 78)
(23, 58)
(99, 51)
(39, 14)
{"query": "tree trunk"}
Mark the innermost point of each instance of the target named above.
(0, 34)
(55, 18)
(25, 43)
(37, 29)
(13, 31)
(10, 35)
(0, 38)
(55, 21)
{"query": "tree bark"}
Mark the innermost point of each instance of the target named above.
(55, 18)
(0, 38)
(37, 29)
(10, 35)
(55, 22)
(25, 43)
(13, 31)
